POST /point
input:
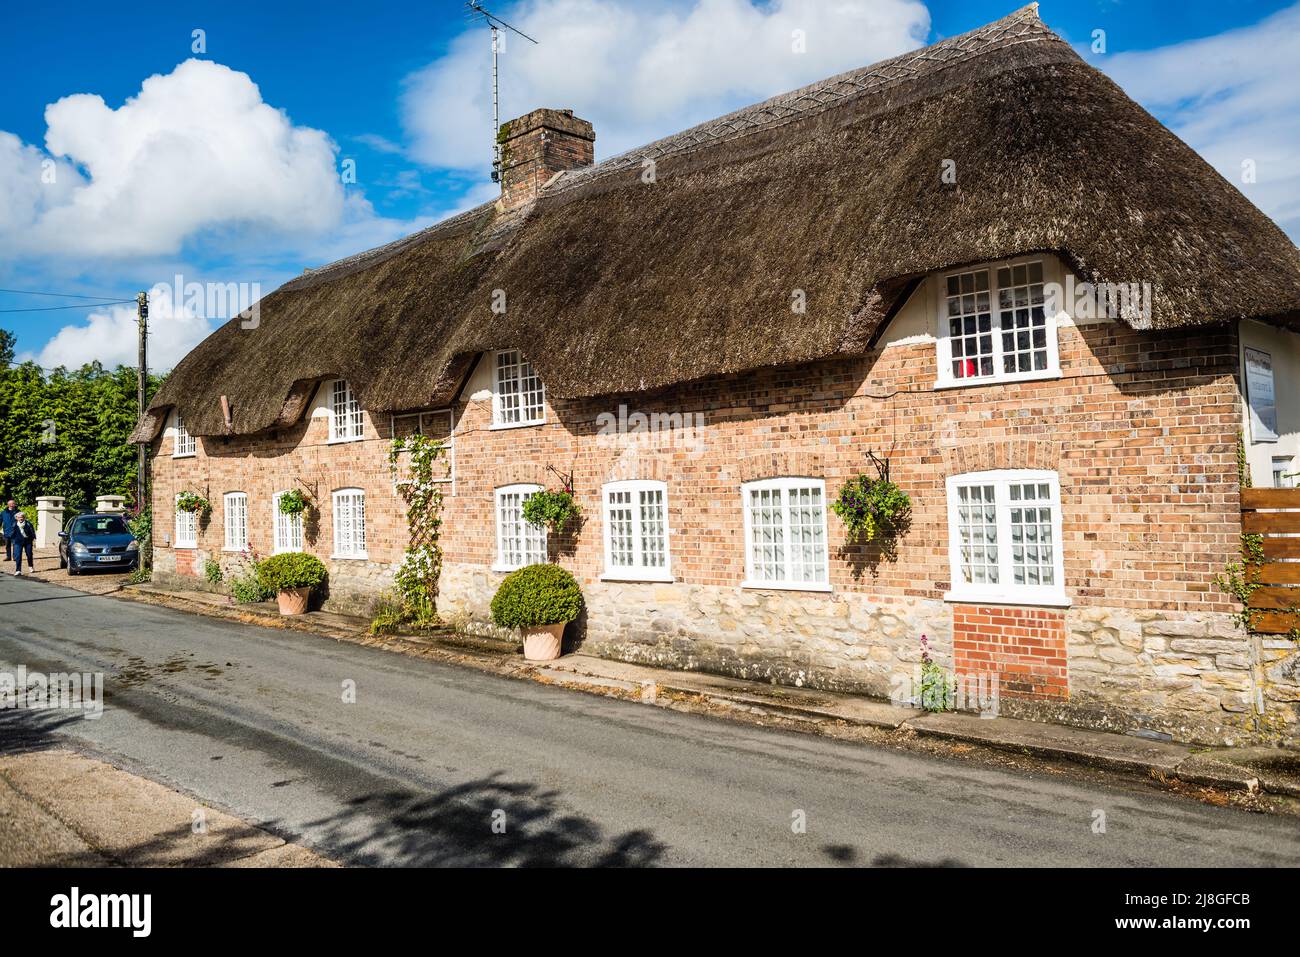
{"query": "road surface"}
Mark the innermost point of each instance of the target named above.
(434, 764)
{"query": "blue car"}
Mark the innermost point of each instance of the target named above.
(97, 541)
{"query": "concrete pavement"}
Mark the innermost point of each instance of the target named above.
(375, 758)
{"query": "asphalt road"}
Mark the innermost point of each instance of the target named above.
(432, 762)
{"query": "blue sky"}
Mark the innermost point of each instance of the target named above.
(224, 167)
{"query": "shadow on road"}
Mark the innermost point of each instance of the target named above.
(488, 822)
(24, 730)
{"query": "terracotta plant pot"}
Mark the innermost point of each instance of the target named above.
(542, 642)
(293, 601)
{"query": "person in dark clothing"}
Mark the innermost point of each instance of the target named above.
(22, 537)
(7, 526)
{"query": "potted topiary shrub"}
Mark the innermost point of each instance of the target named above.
(292, 576)
(539, 600)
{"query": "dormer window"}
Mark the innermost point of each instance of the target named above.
(995, 326)
(346, 422)
(184, 442)
(518, 397)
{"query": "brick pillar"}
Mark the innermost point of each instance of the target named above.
(537, 146)
(1024, 647)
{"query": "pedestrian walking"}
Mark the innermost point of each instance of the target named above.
(7, 526)
(22, 538)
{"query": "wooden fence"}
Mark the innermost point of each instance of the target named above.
(1274, 514)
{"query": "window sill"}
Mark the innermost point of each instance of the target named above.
(1050, 599)
(185, 546)
(285, 551)
(495, 426)
(355, 438)
(786, 586)
(363, 557)
(635, 576)
(1043, 376)
(185, 455)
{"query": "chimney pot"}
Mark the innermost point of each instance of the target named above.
(537, 146)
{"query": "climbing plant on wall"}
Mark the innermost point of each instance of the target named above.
(417, 577)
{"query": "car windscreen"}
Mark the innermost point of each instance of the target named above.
(100, 525)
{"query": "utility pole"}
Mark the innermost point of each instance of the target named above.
(474, 11)
(142, 380)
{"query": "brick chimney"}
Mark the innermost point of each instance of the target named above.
(537, 146)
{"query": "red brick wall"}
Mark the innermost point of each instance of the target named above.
(1142, 429)
(1024, 647)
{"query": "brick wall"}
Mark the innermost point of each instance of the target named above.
(1142, 429)
(1024, 647)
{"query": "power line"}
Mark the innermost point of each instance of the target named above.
(60, 295)
(80, 305)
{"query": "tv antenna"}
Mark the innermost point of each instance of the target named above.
(476, 11)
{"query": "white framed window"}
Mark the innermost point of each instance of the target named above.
(1004, 537)
(287, 528)
(187, 528)
(995, 326)
(349, 523)
(518, 543)
(1284, 472)
(184, 446)
(235, 512)
(636, 531)
(785, 534)
(518, 397)
(346, 422)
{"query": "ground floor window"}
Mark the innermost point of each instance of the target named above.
(236, 521)
(187, 528)
(288, 528)
(1004, 537)
(350, 523)
(785, 533)
(636, 530)
(518, 543)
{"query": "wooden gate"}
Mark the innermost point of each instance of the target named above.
(1274, 515)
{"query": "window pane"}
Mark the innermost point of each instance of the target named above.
(969, 324)
(621, 544)
(977, 531)
(653, 545)
(767, 532)
(1033, 551)
(1022, 318)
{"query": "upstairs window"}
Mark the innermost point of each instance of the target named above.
(346, 423)
(518, 397)
(288, 528)
(184, 444)
(994, 326)
(785, 534)
(1004, 537)
(236, 521)
(636, 531)
(349, 523)
(187, 528)
(518, 543)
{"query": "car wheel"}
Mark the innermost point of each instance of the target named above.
(63, 562)
(72, 569)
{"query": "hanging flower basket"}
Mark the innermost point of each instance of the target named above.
(873, 509)
(293, 502)
(196, 504)
(554, 510)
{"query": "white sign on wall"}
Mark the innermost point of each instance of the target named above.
(1259, 393)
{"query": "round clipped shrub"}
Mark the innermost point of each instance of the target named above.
(290, 570)
(536, 595)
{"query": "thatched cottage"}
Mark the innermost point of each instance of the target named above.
(980, 261)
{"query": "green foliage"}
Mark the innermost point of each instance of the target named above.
(65, 432)
(551, 509)
(141, 575)
(872, 508)
(421, 569)
(212, 570)
(536, 595)
(937, 688)
(140, 522)
(247, 589)
(193, 502)
(290, 570)
(293, 502)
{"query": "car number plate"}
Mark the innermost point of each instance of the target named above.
(110, 558)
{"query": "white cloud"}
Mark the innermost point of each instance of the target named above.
(640, 71)
(195, 150)
(1233, 97)
(110, 336)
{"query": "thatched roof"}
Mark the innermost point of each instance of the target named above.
(616, 285)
